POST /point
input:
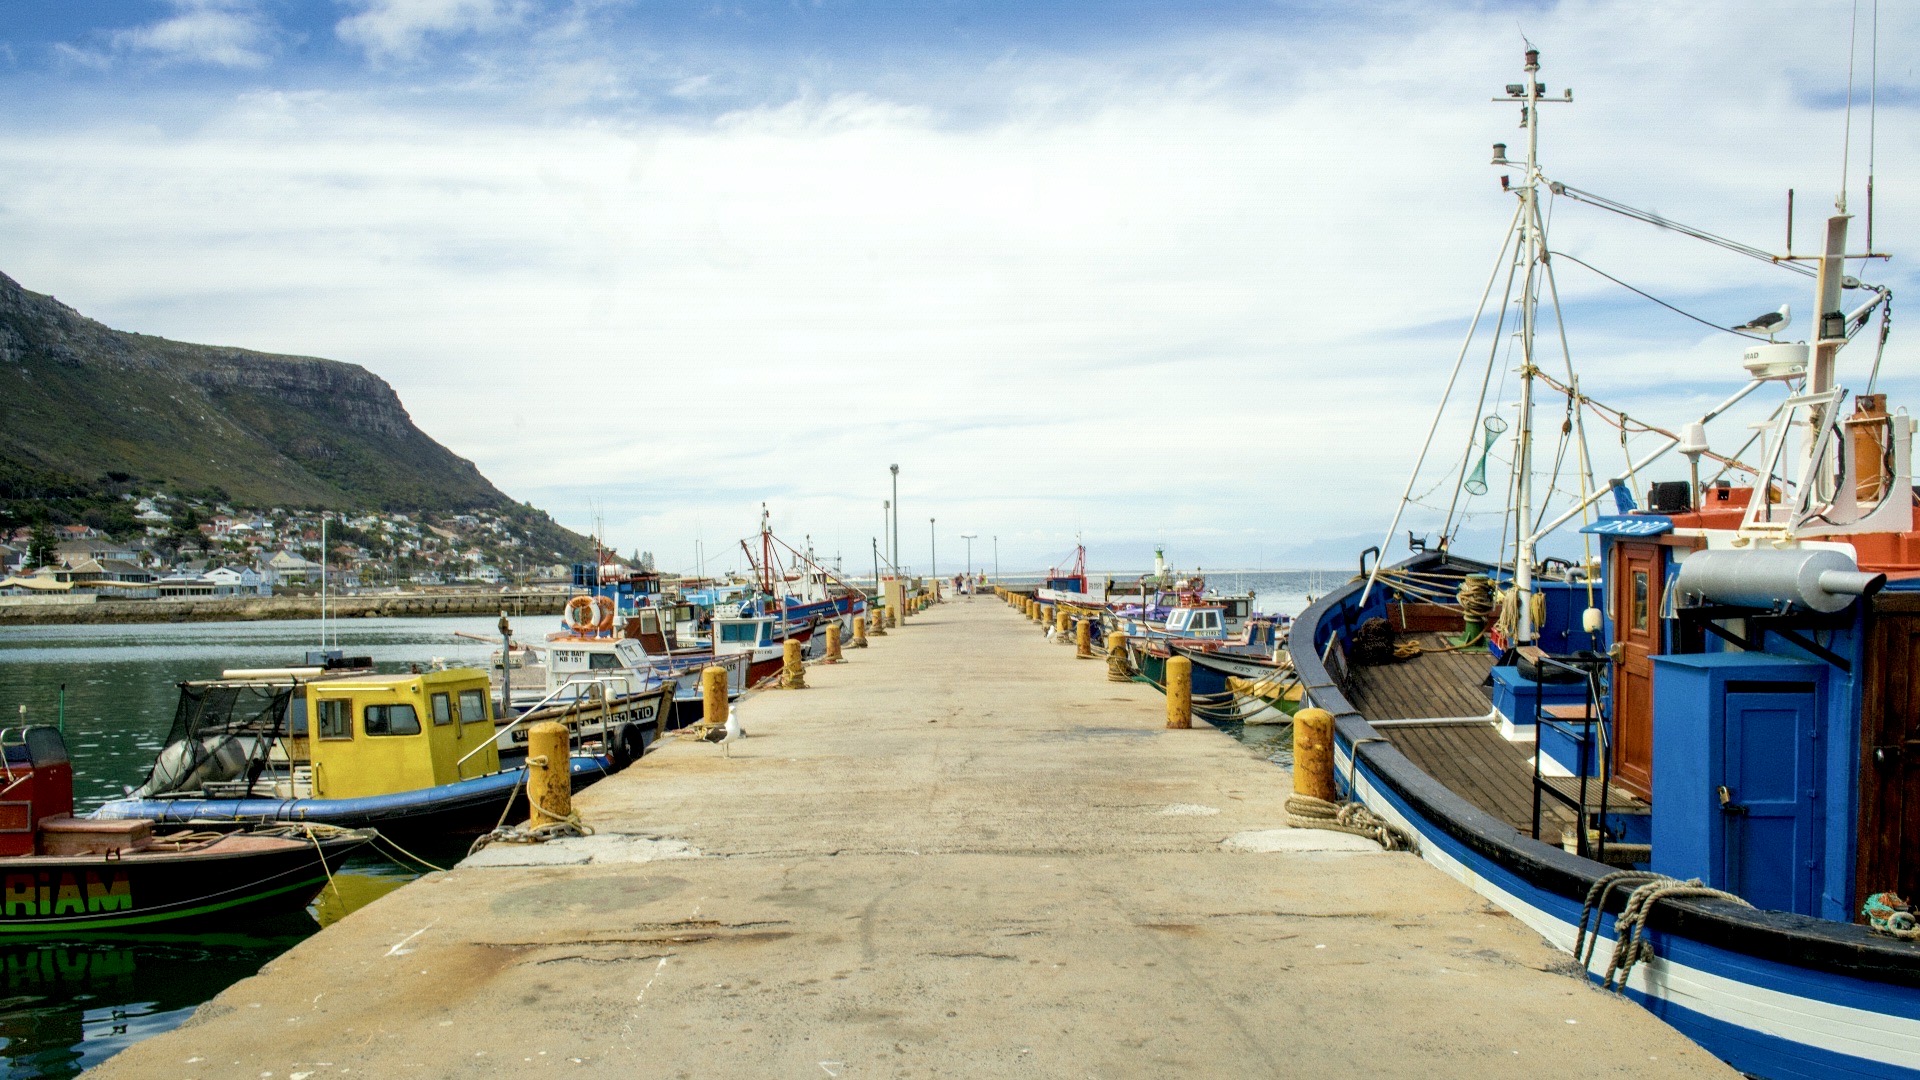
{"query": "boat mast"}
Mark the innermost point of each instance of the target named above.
(1535, 239)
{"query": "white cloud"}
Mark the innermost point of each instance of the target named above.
(1146, 306)
(226, 33)
(398, 28)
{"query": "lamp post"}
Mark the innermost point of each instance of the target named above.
(886, 522)
(969, 538)
(996, 558)
(895, 470)
(933, 552)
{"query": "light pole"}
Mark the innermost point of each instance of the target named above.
(969, 538)
(996, 558)
(886, 522)
(933, 552)
(895, 470)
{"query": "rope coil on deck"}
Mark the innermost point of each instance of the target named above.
(1630, 942)
(1308, 812)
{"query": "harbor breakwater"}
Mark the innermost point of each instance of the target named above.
(257, 608)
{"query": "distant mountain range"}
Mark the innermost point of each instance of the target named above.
(85, 408)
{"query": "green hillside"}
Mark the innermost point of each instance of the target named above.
(88, 412)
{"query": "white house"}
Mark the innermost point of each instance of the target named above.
(245, 581)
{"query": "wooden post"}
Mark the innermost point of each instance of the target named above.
(1180, 693)
(1313, 754)
(713, 696)
(549, 774)
(833, 643)
(794, 674)
(1083, 638)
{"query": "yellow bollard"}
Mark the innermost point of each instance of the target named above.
(1313, 754)
(833, 643)
(1117, 667)
(794, 674)
(1179, 692)
(713, 696)
(1083, 639)
(859, 631)
(893, 619)
(549, 774)
(1060, 627)
(877, 624)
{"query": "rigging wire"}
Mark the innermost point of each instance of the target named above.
(1657, 300)
(1657, 221)
(1846, 137)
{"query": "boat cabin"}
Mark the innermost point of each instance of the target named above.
(744, 634)
(380, 734)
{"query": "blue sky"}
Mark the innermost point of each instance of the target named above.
(1150, 272)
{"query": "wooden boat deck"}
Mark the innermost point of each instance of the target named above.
(1477, 763)
(1435, 683)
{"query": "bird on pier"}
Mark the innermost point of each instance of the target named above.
(1773, 322)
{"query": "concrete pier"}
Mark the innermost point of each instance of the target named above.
(958, 854)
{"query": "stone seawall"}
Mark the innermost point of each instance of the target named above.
(252, 608)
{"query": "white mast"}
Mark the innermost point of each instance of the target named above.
(1535, 238)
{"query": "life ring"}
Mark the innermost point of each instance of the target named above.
(606, 606)
(579, 614)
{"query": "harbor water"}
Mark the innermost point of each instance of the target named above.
(66, 1006)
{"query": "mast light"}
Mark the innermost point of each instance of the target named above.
(1500, 153)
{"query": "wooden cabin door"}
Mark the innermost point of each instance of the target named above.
(1890, 750)
(1637, 577)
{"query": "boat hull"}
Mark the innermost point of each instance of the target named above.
(1773, 994)
(42, 897)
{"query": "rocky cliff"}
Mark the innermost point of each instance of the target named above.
(79, 400)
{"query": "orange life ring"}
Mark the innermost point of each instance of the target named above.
(606, 606)
(579, 613)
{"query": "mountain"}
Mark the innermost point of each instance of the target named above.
(85, 408)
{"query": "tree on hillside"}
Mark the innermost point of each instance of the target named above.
(40, 543)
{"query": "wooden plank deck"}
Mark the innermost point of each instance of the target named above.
(1435, 683)
(1477, 763)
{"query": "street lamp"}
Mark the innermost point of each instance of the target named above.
(933, 552)
(886, 522)
(895, 469)
(996, 558)
(969, 538)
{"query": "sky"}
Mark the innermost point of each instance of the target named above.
(1140, 273)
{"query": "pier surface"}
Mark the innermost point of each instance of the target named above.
(962, 853)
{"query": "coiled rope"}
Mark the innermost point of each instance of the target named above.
(1630, 942)
(1308, 812)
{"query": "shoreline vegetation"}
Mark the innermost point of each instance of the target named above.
(76, 610)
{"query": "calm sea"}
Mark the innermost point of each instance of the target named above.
(66, 1006)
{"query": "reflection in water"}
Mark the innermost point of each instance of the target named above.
(67, 1006)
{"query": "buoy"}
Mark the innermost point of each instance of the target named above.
(1179, 692)
(713, 696)
(1313, 754)
(794, 674)
(549, 774)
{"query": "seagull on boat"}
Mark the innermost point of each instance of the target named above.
(1773, 322)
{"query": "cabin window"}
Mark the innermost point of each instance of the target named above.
(1638, 618)
(392, 720)
(442, 709)
(333, 718)
(738, 632)
(473, 707)
(649, 622)
(602, 661)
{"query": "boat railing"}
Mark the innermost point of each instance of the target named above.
(604, 679)
(1588, 735)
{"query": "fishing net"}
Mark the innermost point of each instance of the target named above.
(221, 732)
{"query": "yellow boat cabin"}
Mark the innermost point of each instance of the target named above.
(381, 734)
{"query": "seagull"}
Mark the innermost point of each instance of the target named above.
(1773, 322)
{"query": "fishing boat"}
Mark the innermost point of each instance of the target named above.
(62, 876)
(413, 754)
(1692, 759)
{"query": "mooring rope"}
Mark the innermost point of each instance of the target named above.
(1631, 945)
(1308, 812)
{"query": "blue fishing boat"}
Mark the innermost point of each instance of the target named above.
(412, 754)
(1692, 757)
